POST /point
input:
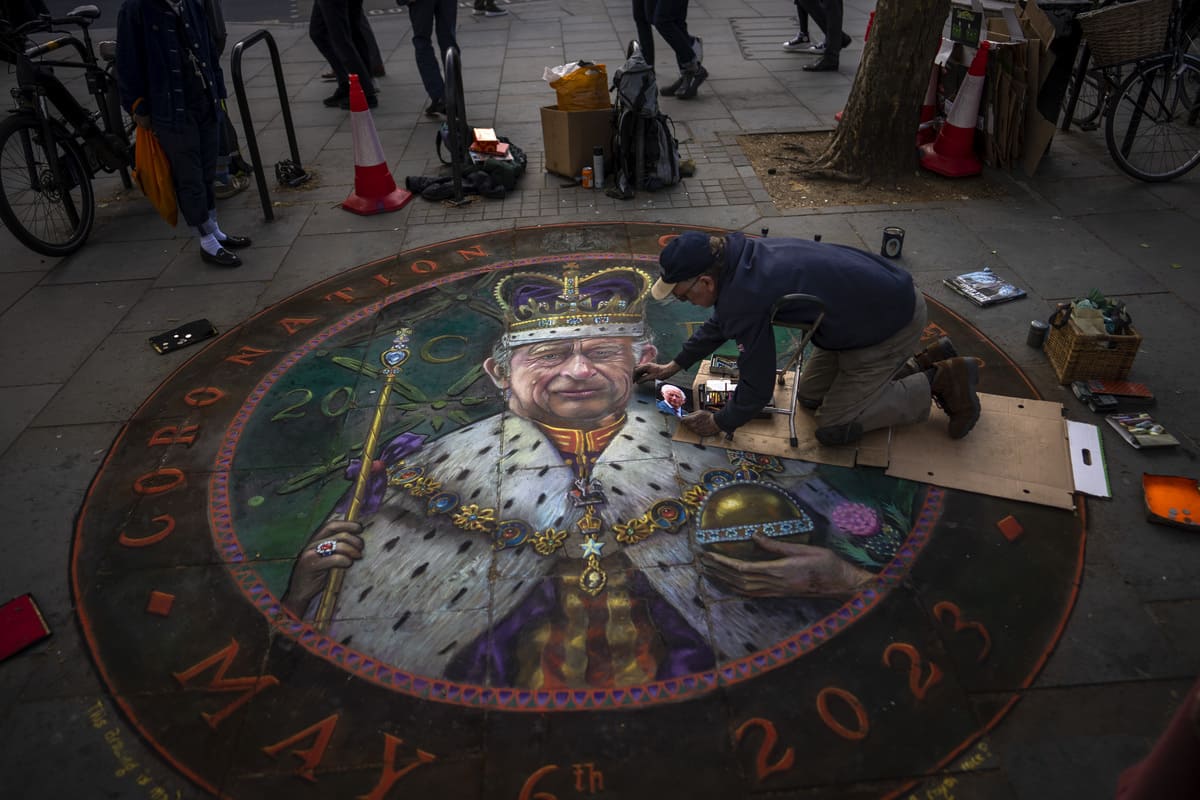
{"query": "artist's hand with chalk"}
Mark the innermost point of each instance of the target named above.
(656, 372)
(336, 545)
(801, 570)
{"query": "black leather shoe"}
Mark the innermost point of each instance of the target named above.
(671, 89)
(222, 258)
(436, 107)
(846, 40)
(334, 100)
(824, 65)
(235, 242)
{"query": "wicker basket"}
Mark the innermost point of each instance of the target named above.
(1078, 356)
(1126, 31)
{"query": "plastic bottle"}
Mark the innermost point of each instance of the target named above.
(598, 167)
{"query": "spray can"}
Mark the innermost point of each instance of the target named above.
(598, 167)
(587, 178)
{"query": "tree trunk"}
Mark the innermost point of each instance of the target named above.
(876, 139)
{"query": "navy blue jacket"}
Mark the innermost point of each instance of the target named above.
(152, 69)
(867, 299)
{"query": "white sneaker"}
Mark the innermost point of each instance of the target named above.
(797, 44)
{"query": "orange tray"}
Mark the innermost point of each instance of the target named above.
(1172, 500)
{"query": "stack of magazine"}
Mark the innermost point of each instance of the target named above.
(983, 288)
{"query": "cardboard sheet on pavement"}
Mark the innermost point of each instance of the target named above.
(1019, 450)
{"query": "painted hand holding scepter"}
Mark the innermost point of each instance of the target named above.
(321, 566)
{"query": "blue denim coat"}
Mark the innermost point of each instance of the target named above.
(151, 67)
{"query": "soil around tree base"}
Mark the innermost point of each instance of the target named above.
(777, 159)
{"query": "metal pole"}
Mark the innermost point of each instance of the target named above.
(456, 120)
(239, 88)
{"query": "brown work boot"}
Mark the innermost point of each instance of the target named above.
(953, 389)
(939, 350)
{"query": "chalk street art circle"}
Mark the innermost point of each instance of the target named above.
(415, 532)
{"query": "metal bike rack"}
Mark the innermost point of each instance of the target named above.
(239, 88)
(456, 120)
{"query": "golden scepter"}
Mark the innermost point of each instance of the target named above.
(392, 359)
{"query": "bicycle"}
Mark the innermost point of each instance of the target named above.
(48, 160)
(1090, 86)
(1152, 119)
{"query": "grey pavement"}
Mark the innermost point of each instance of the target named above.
(74, 362)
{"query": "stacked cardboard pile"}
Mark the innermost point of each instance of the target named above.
(1017, 120)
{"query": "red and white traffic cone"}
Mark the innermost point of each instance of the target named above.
(953, 152)
(374, 189)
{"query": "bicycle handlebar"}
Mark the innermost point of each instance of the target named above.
(54, 44)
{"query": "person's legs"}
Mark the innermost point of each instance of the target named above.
(863, 397)
(421, 15)
(827, 14)
(670, 20)
(192, 153)
(208, 133)
(445, 18)
(815, 11)
(182, 149)
(801, 40)
(643, 13)
(367, 45)
(833, 27)
(343, 57)
(820, 368)
(318, 31)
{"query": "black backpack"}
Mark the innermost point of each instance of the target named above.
(644, 141)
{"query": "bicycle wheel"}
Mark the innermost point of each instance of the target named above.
(48, 215)
(1153, 121)
(1090, 102)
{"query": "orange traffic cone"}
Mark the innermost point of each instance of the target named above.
(374, 189)
(953, 153)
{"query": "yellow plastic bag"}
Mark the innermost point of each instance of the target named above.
(582, 89)
(152, 172)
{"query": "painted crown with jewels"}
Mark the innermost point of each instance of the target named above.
(606, 302)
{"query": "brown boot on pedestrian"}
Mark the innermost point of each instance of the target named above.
(940, 350)
(953, 389)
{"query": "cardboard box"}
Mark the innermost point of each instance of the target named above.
(569, 137)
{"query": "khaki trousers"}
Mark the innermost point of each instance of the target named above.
(857, 385)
